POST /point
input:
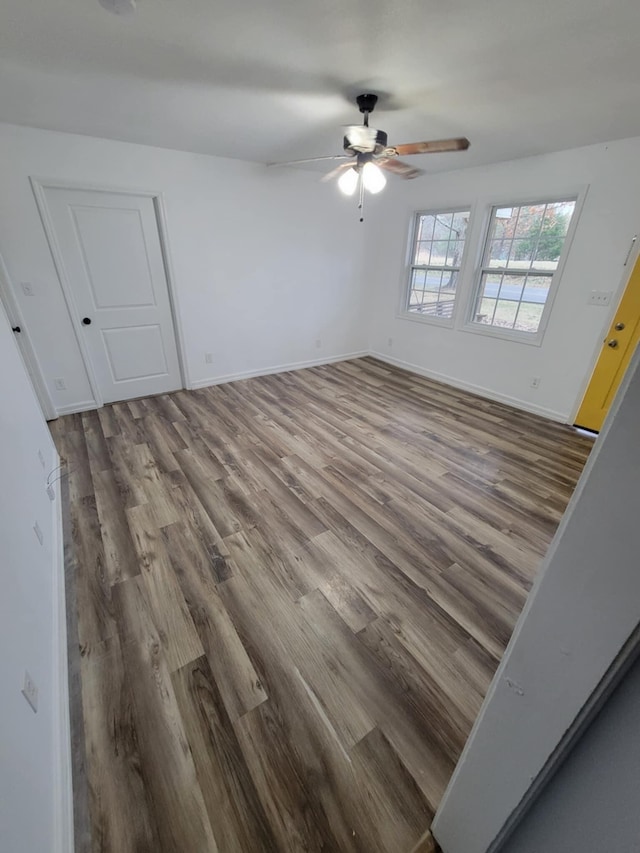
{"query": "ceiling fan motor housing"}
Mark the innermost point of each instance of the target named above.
(366, 103)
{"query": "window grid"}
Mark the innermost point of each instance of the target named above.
(432, 285)
(524, 278)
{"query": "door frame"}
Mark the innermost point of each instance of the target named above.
(39, 185)
(633, 255)
(27, 350)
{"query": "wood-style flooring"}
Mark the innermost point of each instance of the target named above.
(292, 593)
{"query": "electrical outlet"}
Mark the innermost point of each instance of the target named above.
(38, 531)
(318, 343)
(535, 381)
(30, 692)
(208, 357)
(600, 297)
(59, 384)
(27, 288)
(41, 458)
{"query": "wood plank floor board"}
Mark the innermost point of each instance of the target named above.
(169, 772)
(235, 811)
(121, 810)
(120, 557)
(236, 678)
(93, 592)
(292, 593)
(161, 590)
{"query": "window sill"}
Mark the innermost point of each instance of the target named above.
(505, 334)
(426, 319)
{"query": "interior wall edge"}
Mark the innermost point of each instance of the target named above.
(487, 393)
(63, 841)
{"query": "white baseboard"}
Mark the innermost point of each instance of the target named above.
(515, 402)
(280, 368)
(63, 841)
(73, 408)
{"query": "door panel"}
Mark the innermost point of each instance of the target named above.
(117, 279)
(617, 349)
(111, 254)
(135, 352)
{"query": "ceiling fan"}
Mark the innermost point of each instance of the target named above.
(367, 155)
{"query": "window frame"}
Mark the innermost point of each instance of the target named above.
(517, 335)
(403, 312)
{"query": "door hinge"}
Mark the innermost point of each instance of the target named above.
(633, 243)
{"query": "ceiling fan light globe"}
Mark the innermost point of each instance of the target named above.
(373, 177)
(348, 182)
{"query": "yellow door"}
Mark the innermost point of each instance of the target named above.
(617, 349)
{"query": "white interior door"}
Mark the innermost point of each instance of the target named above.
(109, 249)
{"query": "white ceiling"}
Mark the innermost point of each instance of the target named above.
(269, 81)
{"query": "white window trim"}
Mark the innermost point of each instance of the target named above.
(403, 312)
(532, 339)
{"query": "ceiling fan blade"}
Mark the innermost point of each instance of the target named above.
(435, 146)
(337, 171)
(312, 160)
(404, 170)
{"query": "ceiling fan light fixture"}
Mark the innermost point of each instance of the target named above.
(373, 178)
(348, 181)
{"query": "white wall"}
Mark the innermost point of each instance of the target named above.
(33, 747)
(593, 803)
(268, 261)
(265, 261)
(609, 219)
(584, 606)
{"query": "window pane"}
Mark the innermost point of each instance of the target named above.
(449, 282)
(459, 227)
(491, 285)
(505, 315)
(537, 289)
(454, 253)
(485, 311)
(419, 279)
(521, 252)
(529, 317)
(415, 299)
(442, 229)
(551, 235)
(434, 277)
(529, 220)
(439, 242)
(425, 229)
(439, 253)
(521, 238)
(511, 288)
(499, 252)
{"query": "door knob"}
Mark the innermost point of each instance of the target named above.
(619, 327)
(16, 329)
(613, 343)
(86, 321)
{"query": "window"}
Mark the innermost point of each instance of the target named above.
(521, 256)
(436, 255)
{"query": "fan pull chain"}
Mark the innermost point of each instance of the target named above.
(361, 201)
